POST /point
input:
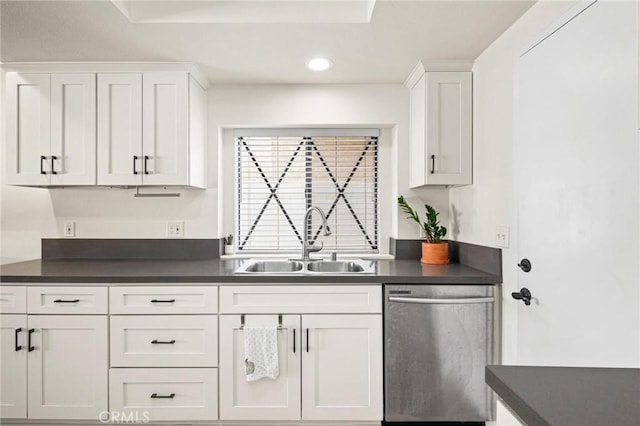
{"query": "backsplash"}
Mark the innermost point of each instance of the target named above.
(130, 249)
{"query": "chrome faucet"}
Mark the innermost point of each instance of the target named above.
(306, 249)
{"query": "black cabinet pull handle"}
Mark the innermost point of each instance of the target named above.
(433, 163)
(307, 340)
(53, 170)
(170, 396)
(163, 342)
(524, 294)
(294, 340)
(144, 167)
(66, 301)
(18, 347)
(162, 301)
(135, 158)
(42, 158)
(31, 348)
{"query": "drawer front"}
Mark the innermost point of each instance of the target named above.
(184, 299)
(13, 299)
(301, 299)
(152, 394)
(164, 341)
(67, 300)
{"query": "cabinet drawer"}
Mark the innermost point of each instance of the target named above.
(164, 300)
(301, 299)
(152, 394)
(67, 300)
(164, 341)
(13, 299)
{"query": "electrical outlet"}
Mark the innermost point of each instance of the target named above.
(502, 236)
(175, 229)
(70, 229)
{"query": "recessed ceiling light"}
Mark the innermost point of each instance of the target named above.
(319, 64)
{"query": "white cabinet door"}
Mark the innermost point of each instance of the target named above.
(120, 129)
(28, 129)
(73, 129)
(165, 128)
(13, 366)
(67, 366)
(448, 152)
(342, 367)
(440, 129)
(264, 399)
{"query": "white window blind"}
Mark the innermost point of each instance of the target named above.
(280, 177)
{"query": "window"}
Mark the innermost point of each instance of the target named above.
(280, 174)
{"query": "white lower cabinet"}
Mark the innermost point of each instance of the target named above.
(13, 366)
(330, 364)
(164, 341)
(160, 394)
(264, 399)
(67, 366)
(342, 367)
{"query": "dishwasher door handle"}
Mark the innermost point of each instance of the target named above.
(450, 301)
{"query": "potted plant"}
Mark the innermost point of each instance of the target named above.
(434, 250)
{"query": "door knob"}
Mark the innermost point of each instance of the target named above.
(524, 294)
(525, 265)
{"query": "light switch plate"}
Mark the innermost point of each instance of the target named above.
(175, 229)
(502, 236)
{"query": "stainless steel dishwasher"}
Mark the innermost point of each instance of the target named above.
(438, 339)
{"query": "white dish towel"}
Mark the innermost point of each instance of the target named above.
(261, 352)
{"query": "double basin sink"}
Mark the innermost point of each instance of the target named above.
(281, 266)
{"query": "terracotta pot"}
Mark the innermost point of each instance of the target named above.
(435, 253)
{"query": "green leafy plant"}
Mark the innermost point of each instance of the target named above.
(433, 232)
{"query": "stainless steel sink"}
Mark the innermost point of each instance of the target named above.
(281, 266)
(337, 267)
(271, 266)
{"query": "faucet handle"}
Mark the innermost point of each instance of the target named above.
(315, 248)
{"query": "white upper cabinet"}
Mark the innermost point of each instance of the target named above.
(28, 129)
(51, 129)
(165, 118)
(73, 129)
(113, 125)
(120, 129)
(151, 129)
(440, 143)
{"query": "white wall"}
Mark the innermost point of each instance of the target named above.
(384, 106)
(29, 214)
(477, 209)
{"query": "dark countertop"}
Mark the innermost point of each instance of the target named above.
(221, 271)
(564, 396)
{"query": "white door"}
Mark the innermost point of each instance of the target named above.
(264, 399)
(342, 367)
(165, 128)
(28, 129)
(577, 194)
(68, 366)
(13, 366)
(120, 129)
(73, 129)
(448, 154)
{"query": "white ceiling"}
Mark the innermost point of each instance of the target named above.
(383, 51)
(247, 11)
